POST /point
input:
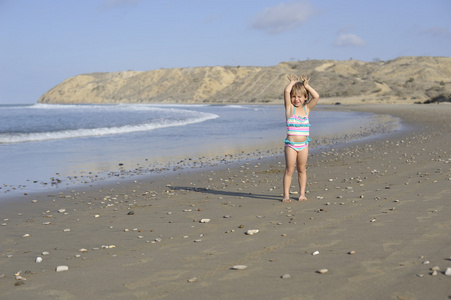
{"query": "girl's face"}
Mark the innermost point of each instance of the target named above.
(297, 100)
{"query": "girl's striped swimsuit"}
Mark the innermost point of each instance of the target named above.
(298, 126)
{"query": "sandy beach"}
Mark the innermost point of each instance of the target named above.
(376, 226)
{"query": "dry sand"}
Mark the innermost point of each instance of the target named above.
(378, 212)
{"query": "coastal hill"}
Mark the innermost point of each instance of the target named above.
(404, 79)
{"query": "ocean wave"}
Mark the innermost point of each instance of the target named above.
(8, 138)
(236, 106)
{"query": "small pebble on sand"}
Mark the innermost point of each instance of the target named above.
(239, 267)
(286, 276)
(62, 268)
(251, 231)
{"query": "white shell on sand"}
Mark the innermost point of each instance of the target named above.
(315, 253)
(205, 220)
(83, 250)
(286, 276)
(38, 259)
(62, 210)
(239, 267)
(194, 279)
(45, 253)
(252, 231)
(62, 268)
(323, 271)
(18, 277)
(448, 272)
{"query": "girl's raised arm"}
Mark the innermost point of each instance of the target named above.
(315, 96)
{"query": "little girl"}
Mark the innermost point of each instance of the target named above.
(297, 109)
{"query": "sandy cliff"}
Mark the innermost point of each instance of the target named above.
(405, 79)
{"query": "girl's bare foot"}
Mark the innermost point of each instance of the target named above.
(302, 198)
(286, 200)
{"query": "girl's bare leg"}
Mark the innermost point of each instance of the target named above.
(290, 162)
(302, 172)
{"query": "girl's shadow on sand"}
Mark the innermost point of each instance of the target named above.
(225, 193)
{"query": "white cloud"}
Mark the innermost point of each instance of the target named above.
(349, 39)
(283, 17)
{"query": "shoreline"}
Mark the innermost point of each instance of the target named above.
(124, 170)
(378, 210)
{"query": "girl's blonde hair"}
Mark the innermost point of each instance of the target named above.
(299, 88)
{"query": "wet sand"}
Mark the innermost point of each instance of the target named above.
(377, 218)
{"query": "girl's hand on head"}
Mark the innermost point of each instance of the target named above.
(305, 79)
(293, 78)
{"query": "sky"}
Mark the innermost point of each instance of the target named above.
(44, 42)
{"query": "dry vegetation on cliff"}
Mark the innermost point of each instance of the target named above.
(405, 79)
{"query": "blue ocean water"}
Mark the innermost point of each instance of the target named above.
(42, 145)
